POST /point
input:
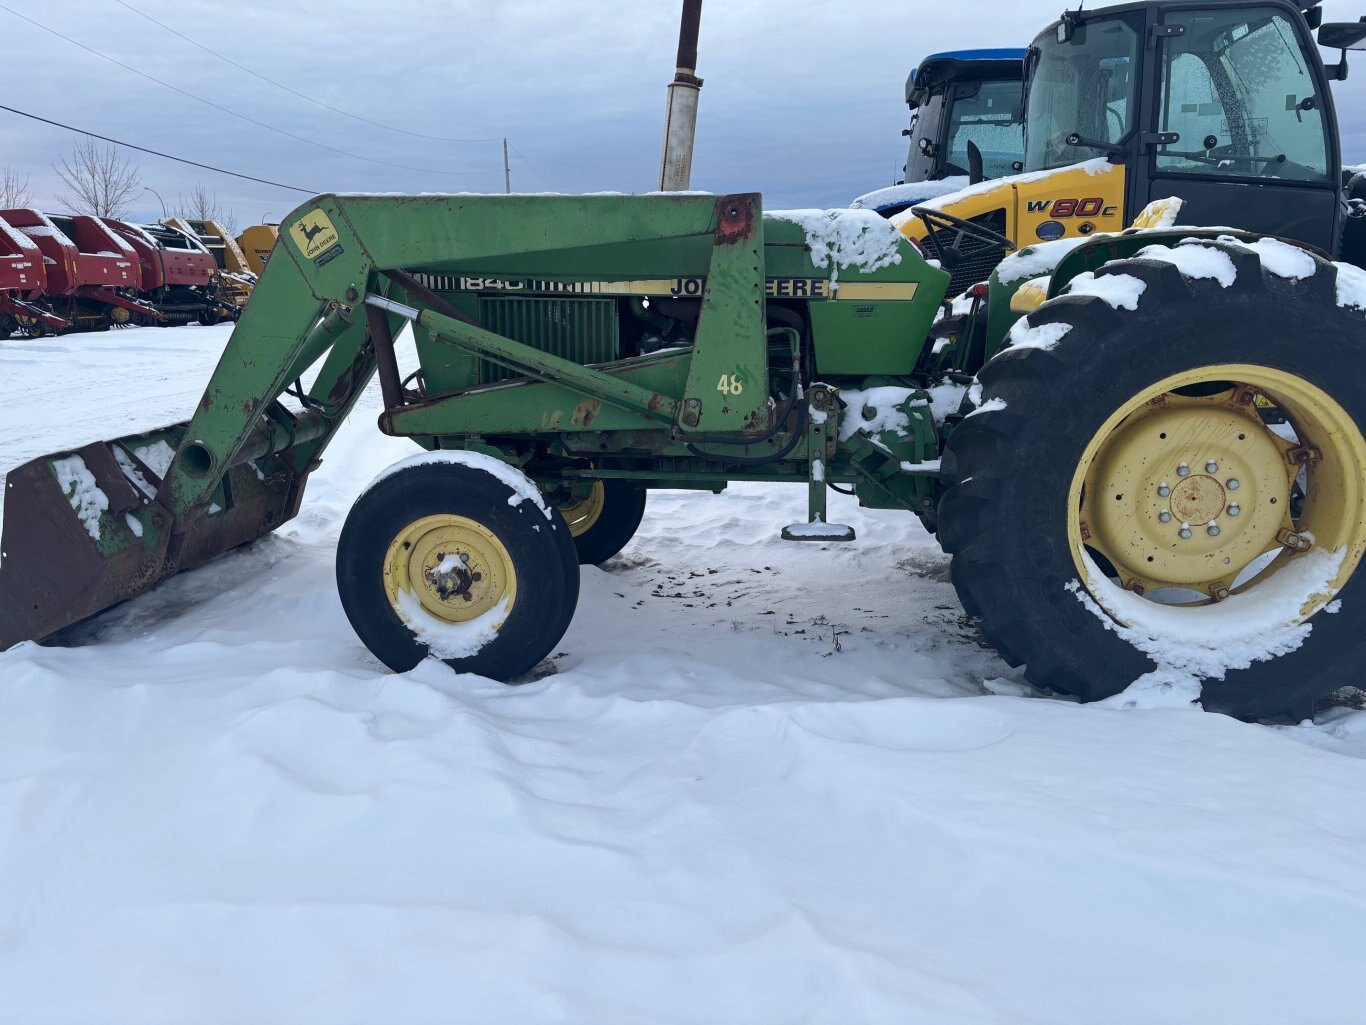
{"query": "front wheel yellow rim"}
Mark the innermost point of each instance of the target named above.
(1190, 496)
(581, 515)
(456, 568)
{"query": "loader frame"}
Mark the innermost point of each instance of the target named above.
(738, 402)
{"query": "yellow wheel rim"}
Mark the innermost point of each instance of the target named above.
(581, 515)
(119, 315)
(1193, 497)
(455, 567)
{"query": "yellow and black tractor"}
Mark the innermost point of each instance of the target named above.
(1125, 105)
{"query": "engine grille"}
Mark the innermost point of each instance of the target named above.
(581, 330)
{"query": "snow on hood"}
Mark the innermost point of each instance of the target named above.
(912, 193)
(1097, 166)
(840, 239)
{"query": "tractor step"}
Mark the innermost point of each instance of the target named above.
(818, 531)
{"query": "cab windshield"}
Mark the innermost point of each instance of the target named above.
(991, 118)
(1084, 86)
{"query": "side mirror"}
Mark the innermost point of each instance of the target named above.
(1343, 35)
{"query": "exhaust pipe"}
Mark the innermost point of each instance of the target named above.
(680, 117)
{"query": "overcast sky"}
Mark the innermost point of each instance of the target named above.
(803, 98)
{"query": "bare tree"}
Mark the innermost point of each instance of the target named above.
(202, 204)
(14, 191)
(100, 179)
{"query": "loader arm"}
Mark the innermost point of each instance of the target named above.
(338, 247)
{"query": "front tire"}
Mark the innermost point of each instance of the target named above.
(1078, 490)
(603, 522)
(446, 558)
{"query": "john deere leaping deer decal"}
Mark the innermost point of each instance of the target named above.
(315, 236)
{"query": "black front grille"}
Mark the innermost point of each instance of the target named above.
(980, 257)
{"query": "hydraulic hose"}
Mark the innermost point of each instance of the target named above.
(773, 457)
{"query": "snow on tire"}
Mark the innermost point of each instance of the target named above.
(455, 555)
(1121, 508)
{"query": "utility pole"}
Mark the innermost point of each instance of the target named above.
(680, 117)
(507, 171)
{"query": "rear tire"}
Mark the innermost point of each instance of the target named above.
(1011, 510)
(434, 559)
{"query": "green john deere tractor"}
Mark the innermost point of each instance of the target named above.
(1115, 501)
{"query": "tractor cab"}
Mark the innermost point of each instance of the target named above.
(1196, 100)
(961, 101)
(967, 125)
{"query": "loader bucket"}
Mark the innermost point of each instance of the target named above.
(86, 529)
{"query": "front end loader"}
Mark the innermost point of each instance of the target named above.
(1115, 502)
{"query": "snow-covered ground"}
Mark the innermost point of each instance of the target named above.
(769, 782)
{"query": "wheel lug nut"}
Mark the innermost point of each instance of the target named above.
(1214, 530)
(1163, 491)
(1211, 467)
(1164, 517)
(1183, 470)
(1234, 509)
(1233, 484)
(1185, 533)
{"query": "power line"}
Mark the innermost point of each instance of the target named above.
(544, 180)
(227, 110)
(293, 92)
(158, 153)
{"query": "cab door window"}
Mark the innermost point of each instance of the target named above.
(1241, 97)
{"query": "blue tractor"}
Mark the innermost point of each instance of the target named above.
(967, 125)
